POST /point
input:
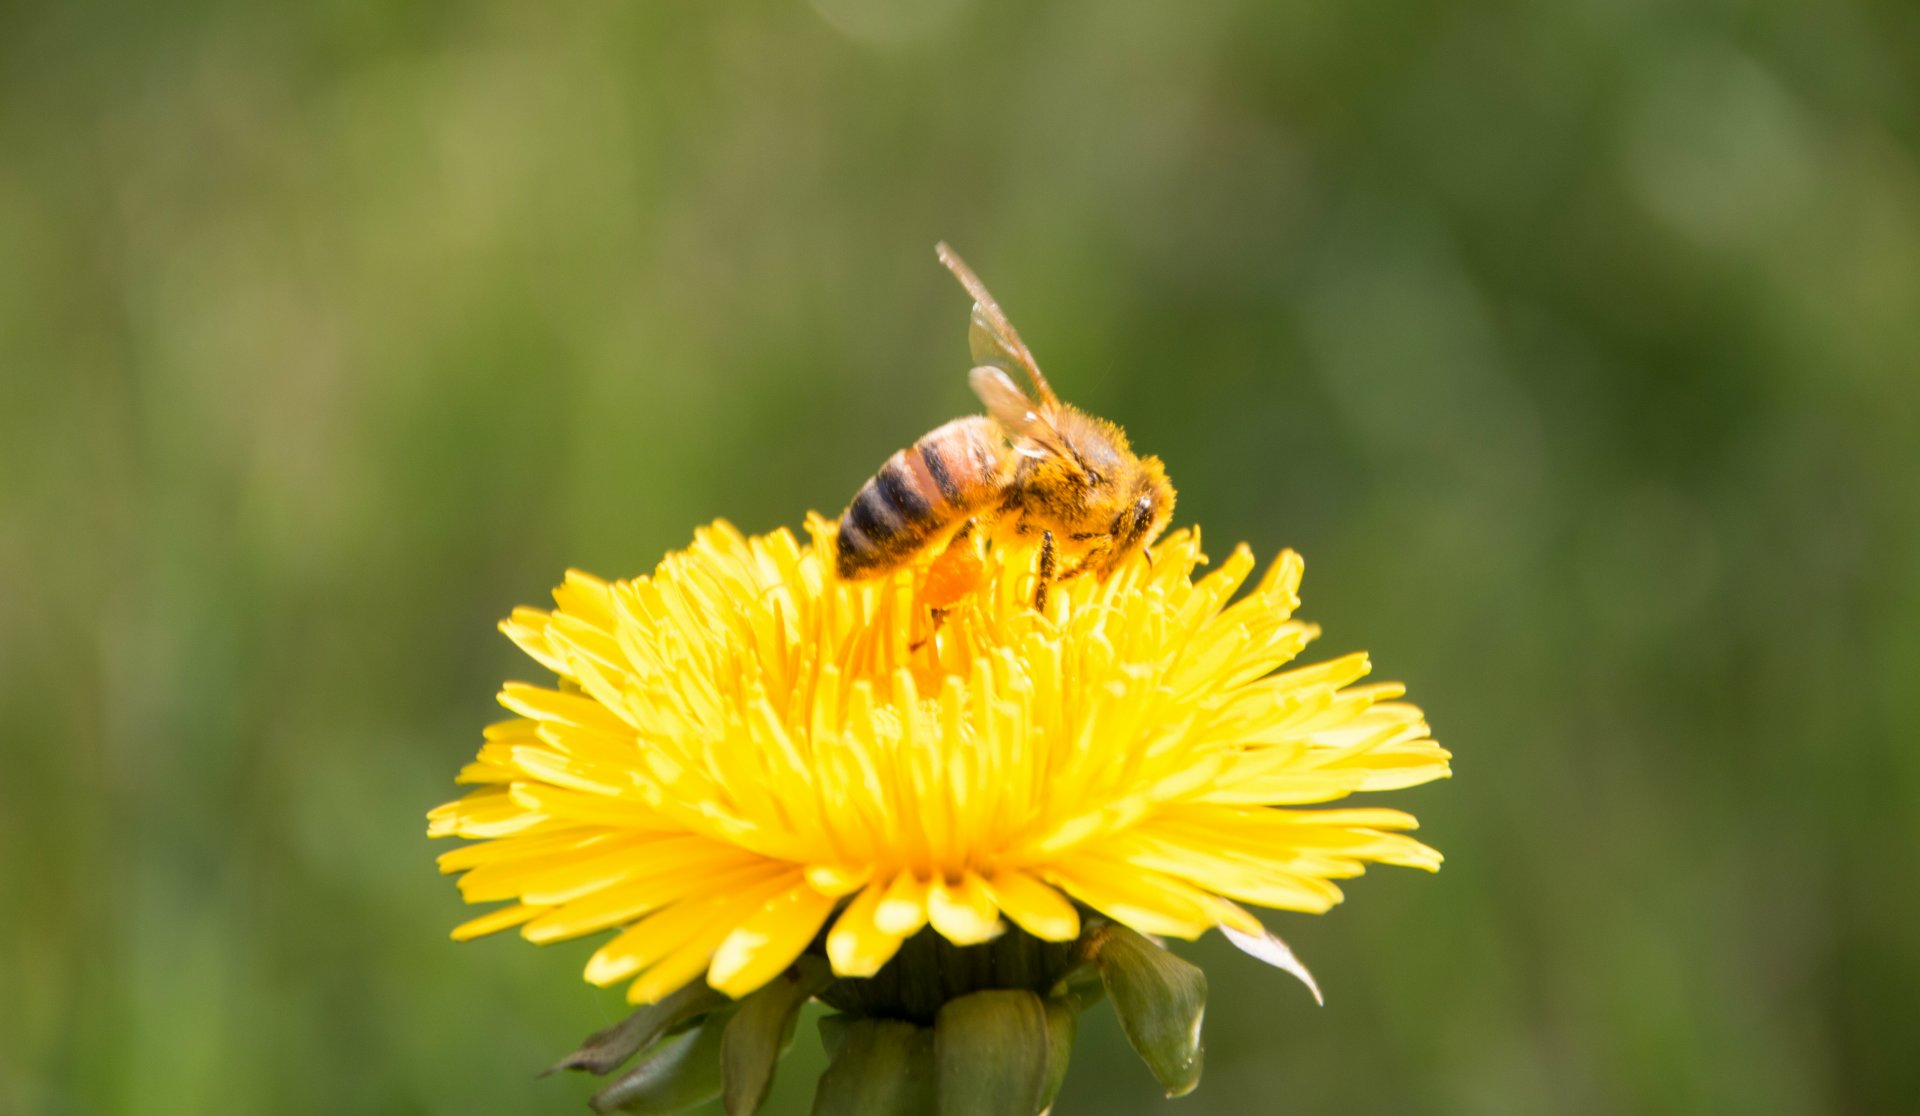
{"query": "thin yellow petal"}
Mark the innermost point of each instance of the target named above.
(903, 909)
(677, 969)
(494, 921)
(632, 898)
(1035, 907)
(838, 879)
(1149, 904)
(855, 946)
(487, 812)
(660, 934)
(514, 848)
(760, 948)
(964, 914)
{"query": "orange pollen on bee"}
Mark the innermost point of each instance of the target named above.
(952, 576)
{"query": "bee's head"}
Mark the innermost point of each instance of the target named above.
(1148, 510)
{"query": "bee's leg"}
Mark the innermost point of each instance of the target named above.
(1095, 561)
(939, 617)
(1078, 569)
(1049, 567)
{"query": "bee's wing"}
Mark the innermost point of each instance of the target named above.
(992, 340)
(990, 335)
(1025, 421)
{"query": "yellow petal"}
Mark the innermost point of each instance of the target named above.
(903, 909)
(964, 914)
(838, 880)
(513, 848)
(629, 899)
(494, 921)
(488, 812)
(677, 969)
(760, 948)
(663, 932)
(1035, 907)
(1263, 882)
(855, 946)
(1148, 903)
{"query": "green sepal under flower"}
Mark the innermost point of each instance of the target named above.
(944, 1030)
(881, 1067)
(606, 1050)
(990, 1052)
(1160, 1000)
(761, 1031)
(679, 1072)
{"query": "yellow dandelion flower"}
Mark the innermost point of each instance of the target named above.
(743, 751)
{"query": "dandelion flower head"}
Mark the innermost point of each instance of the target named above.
(744, 755)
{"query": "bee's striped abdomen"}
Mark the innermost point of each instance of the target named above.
(920, 492)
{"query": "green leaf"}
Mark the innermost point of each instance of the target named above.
(676, 1074)
(605, 1050)
(1160, 1000)
(1063, 1021)
(884, 1068)
(762, 1030)
(991, 1049)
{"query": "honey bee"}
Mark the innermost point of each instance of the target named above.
(1032, 466)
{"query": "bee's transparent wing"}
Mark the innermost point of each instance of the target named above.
(992, 340)
(990, 335)
(1024, 420)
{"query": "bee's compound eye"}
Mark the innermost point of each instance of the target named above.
(1132, 524)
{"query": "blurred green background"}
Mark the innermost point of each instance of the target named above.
(1576, 344)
